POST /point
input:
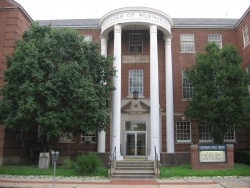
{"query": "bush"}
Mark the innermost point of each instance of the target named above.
(88, 163)
(68, 164)
(241, 156)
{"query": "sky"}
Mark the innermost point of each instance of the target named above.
(83, 9)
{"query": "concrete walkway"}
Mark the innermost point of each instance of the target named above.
(191, 182)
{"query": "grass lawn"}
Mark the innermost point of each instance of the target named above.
(166, 172)
(185, 170)
(34, 170)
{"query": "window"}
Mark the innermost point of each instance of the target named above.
(230, 136)
(187, 88)
(183, 131)
(187, 43)
(135, 42)
(66, 138)
(90, 137)
(87, 38)
(205, 132)
(135, 81)
(245, 35)
(215, 38)
(248, 71)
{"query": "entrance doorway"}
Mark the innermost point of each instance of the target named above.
(136, 144)
(135, 139)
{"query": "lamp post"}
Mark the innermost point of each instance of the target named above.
(55, 156)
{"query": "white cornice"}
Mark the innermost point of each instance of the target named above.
(132, 15)
(202, 27)
(243, 17)
(16, 8)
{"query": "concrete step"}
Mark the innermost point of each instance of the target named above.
(135, 172)
(134, 165)
(133, 176)
(135, 162)
(134, 169)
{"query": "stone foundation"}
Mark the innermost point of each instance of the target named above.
(104, 157)
(174, 159)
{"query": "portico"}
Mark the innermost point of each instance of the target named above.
(125, 112)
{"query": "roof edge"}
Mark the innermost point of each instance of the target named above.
(16, 5)
(202, 27)
(242, 18)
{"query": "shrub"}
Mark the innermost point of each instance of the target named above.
(241, 156)
(88, 163)
(68, 164)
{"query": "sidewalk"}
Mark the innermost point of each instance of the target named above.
(62, 182)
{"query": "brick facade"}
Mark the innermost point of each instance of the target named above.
(14, 21)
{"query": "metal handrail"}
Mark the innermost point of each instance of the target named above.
(112, 160)
(156, 160)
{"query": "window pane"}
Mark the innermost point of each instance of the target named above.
(136, 81)
(90, 137)
(187, 88)
(245, 35)
(229, 136)
(183, 131)
(87, 38)
(205, 132)
(215, 38)
(187, 43)
(135, 42)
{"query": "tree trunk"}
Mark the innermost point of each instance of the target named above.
(218, 135)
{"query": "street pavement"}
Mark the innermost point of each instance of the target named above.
(96, 182)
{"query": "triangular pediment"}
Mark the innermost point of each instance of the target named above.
(136, 106)
(139, 105)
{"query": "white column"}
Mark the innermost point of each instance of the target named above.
(102, 134)
(104, 46)
(169, 95)
(116, 105)
(154, 94)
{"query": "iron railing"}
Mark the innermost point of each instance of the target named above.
(156, 161)
(112, 159)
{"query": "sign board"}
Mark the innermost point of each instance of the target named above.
(212, 153)
(135, 59)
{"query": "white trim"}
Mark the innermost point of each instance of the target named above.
(129, 15)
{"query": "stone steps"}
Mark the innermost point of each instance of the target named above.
(134, 170)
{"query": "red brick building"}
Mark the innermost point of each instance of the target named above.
(152, 51)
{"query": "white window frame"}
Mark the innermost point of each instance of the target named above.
(183, 131)
(230, 136)
(85, 137)
(205, 135)
(187, 43)
(187, 88)
(87, 38)
(248, 72)
(135, 82)
(66, 138)
(215, 38)
(245, 34)
(135, 42)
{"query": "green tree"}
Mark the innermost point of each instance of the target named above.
(57, 83)
(220, 96)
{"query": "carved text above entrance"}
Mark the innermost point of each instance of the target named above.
(135, 59)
